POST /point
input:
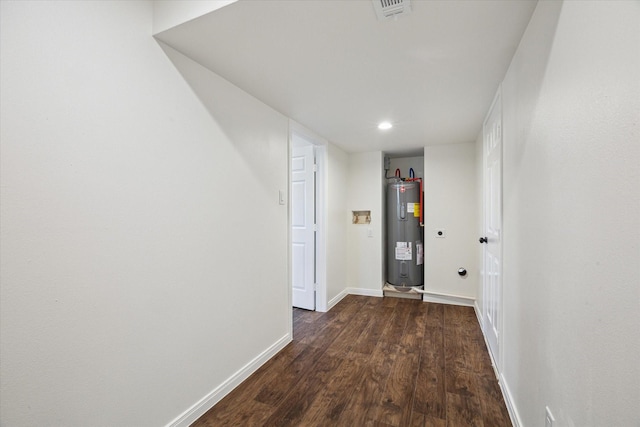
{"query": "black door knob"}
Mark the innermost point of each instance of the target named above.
(483, 240)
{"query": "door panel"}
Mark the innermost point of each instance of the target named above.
(492, 279)
(302, 227)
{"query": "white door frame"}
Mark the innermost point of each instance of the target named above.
(320, 150)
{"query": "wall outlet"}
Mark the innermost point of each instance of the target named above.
(369, 232)
(548, 417)
(440, 233)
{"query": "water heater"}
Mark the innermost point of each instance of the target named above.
(405, 252)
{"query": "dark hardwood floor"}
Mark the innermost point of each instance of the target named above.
(372, 362)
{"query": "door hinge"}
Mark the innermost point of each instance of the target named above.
(315, 167)
(315, 227)
(315, 286)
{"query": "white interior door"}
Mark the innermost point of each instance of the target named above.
(302, 226)
(492, 239)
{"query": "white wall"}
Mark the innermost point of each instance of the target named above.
(571, 102)
(404, 164)
(144, 252)
(337, 259)
(450, 203)
(365, 192)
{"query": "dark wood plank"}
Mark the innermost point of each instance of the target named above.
(292, 409)
(351, 332)
(463, 411)
(395, 325)
(395, 406)
(429, 398)
(370, 336)
(363, 401)
(414, 332)
(494, 410)
(331, 402)
(420, 420)
(273, 392)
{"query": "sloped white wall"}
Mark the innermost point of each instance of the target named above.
(144, 252)
(572, 216)
(170, 13)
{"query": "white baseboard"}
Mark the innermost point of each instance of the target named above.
(203, 405)
(478, 312)
(353, 291)
(506, 393)
(508, 399)
(365, 292)
(448, 299)
(336, 299)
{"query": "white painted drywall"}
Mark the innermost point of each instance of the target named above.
(170, 13)
(450, 204)
(365, 192)
(144, 252)
(572, 216)
(337, 258)
(404, 164)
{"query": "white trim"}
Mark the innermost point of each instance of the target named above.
(508, 399)
(365, 292)
(321, 227)
(476, 308)
(442, 298)
(289, 238)
(353, 291)
(203, 405)
(504, 388)
(336, 299)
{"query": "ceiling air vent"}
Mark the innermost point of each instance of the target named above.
(387, 9)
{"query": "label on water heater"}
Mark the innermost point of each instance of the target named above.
(419, 254)
(411, 207)
(403, 251)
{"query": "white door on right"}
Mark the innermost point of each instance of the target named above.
(492, 239)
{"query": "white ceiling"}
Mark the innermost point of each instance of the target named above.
(332, 66)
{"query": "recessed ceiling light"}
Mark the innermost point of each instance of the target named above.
(385, 126)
